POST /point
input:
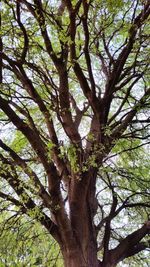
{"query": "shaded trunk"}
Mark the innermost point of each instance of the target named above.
(79, 258)
(84, 253)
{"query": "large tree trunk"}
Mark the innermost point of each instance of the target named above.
(79, 258)
(84, 250)
(84, 253)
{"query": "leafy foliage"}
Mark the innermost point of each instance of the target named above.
(24, 243)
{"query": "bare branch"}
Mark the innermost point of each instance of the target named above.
(130, 243)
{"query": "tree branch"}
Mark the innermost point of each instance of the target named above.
(121, 60)
(26, 40)
(129, 117)
(130, 244)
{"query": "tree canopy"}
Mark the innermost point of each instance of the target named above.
(74, 117)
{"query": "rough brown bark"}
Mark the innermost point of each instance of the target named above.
(84, 250)
(79, 258)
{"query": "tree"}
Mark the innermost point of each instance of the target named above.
(75, 124)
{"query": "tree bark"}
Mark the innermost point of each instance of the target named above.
(84, 253)
(84, 250)
(79, 258)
